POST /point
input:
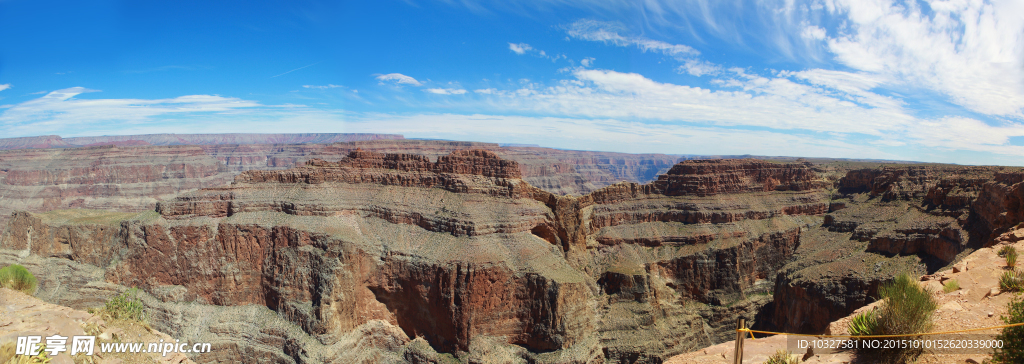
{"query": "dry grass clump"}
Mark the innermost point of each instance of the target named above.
(125, 306)
(1006, 249)
(1012, 337)
(18, 278)
(1011, 281)
(950, 286)
(782, 357)
(907, 308)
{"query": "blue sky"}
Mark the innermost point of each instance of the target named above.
(938, 81)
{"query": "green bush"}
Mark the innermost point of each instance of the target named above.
(18, 278)
(907, 308)
(865, 323)
(782, 357)
(1011, 259)
(1006, 250)
(126, 306)
(950, 286)
(1012, 337)
(1011, 281)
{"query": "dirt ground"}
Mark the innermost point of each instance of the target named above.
(977, 304)
(24, 315)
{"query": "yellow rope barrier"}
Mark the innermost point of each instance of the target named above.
(874, 336)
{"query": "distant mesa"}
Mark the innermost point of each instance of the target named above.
(55, 141)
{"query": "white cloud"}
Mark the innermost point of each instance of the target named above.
(609, 135)
(5, 86)
(830, 105)
(971, 51)
(699, 68)
(587, 62)
(322, 87)
(486, 91)
(520, 48)
(523, 48)
(958, 132)
(777, 103)
(60, 112)
(597, 31)
(446, 91)
(813, 32)
(399, 78)
(855, 86)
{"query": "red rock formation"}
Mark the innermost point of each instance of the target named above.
(462, 248)
(711, 177)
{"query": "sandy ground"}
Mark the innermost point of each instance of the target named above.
(978, 303)
(23, 315)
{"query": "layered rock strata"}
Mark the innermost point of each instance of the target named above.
(888, 220)
(458, 253)
(128, 176)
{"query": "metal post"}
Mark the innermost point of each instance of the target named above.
(738, 354)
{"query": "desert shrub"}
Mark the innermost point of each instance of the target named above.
(7, 351)
(907, 308)
(1012, 337)
(18, 278)
(1011, 281)
(7, 355)
(864, 323)
(126, 306)
(782, 357)
(1011, 259)
(950, 286)
(1006, 249)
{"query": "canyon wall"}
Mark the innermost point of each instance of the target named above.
(359, 253)
(457, 254)
(133, 177)
(887, 220)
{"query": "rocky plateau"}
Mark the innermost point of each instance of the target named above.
(433, 252)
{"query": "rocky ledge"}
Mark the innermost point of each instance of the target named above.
(458, 256)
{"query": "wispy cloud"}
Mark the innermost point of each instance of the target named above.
(61, 111)
(322, 87)
(5, 86)
(610, 33)
(971, 51)
(168, 68)
(523, 48)
(598, 31)
(608, 134)
(311, 65)
(698, 67)
(398, 78)
(519, 48)
(833, 104)
(446, 91)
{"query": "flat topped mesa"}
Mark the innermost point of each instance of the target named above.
(364, 166)
(716, 176)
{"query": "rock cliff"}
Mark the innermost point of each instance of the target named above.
(364, 253)
(458, 254)
(887, 220)
(129, 176)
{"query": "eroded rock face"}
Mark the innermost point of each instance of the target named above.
(893, 219)
(126, 174)
(461, 249)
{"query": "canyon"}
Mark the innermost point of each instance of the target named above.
(434, 251)
(127, 176)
